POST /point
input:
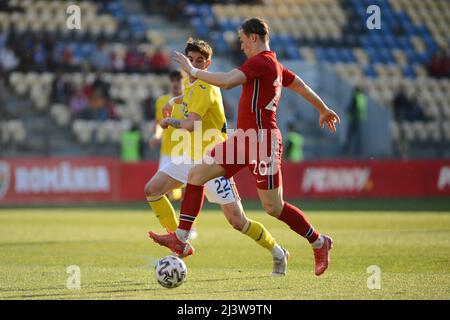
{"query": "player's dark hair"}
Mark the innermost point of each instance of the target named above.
(175, 75)
(200, 46)
(257, 26)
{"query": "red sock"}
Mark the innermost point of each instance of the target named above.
(191, 206)
(297, 221)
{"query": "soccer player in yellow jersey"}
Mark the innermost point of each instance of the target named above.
(163, 136)
(203, 126)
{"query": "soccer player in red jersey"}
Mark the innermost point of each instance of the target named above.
(257, 143)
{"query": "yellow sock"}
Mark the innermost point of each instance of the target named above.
(176, 194)
(164, 212)
(259, 233)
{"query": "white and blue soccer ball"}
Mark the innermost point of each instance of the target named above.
(170, 271)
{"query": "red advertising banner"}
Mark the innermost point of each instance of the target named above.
(74, 180)
(134, 176)
(50, 180)
(358, 179)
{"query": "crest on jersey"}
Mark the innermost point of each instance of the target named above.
(4, 178)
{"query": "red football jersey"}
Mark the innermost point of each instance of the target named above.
(262, 91)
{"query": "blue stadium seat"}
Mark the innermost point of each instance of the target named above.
(293, 53)
(200, 27)
(369, 71)
(409, 72)
(389, 41)
(191, 10)
(116, 9)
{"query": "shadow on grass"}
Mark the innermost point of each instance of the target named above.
(356, 204)
(85, 292)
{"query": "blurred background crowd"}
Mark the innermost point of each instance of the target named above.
(74, 92)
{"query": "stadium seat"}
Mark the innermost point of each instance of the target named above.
(83, 130)
(13, 131)
(61, 114)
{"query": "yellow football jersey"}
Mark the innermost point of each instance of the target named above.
(178, 113)
(205, 100)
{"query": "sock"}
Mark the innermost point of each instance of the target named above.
(297, 221)
(164, 212)
(277, 252)
(190, 206)
(259, 233)
(318, 243)
(182, 235)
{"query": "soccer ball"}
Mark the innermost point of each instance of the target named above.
(170, 272)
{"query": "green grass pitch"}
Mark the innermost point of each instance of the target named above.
(116, 259)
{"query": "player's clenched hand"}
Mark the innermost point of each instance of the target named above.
(184, 62)
(167, 110)
(329, 117)
(164, 123)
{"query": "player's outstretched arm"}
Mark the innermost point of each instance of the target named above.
(225, 80)
(327, 115)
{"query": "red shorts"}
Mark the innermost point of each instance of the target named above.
(261, 153)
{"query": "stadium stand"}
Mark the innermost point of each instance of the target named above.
(101, 74)
(83, 87)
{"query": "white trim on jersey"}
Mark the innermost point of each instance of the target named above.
(255, 95)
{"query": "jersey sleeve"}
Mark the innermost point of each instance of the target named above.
(253, 68)
(288, 77)
(202, 99)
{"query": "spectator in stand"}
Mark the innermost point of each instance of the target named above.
(357, 114)
(100, 59)
(79, 105)
(134, 60)
(40, 57)
(294, 144)
(98, 106)
(415, 111)
(117, 62)
(148, 108)
(112, 111)
(49, 47)
(60, 89)
(67, 61)
(8, 60)
(439, 65)
(3, 38)
(3, 107)
(401, 105)
(103, 86)
(22, 48)
(407, 109)
(159, 61)
(131, 146)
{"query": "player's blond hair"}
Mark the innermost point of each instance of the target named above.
(200, 46)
